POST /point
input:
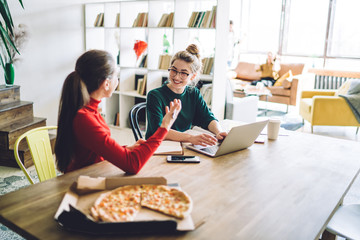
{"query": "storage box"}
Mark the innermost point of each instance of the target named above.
(74, 210)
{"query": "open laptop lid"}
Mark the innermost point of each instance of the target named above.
(238, 138)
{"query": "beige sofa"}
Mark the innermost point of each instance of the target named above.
(286, 93)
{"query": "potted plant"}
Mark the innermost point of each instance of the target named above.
(7, 42)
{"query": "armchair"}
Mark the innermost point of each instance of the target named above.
(323, 107)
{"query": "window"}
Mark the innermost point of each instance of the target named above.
(305, 32)
(262, 30)
(344, 36)
(321, 31)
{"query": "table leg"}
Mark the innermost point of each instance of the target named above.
(266, 107)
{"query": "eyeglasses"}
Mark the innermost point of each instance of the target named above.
(173, 73)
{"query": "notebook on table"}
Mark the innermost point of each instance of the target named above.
(238, 138)
(168, 147)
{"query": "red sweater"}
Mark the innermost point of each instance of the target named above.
(93, 143)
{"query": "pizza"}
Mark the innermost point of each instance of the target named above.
(122, 204)
(119, 205)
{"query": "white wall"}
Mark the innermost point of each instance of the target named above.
(56, 41)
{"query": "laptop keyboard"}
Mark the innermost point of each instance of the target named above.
(211, 149)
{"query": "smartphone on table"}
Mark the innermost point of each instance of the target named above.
(182, 159)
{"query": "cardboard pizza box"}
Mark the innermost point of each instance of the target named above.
(74, 211)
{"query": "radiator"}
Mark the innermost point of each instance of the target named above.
(328, 82)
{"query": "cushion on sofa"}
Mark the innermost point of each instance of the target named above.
(343, 89)
(247, 71)
(287, 83)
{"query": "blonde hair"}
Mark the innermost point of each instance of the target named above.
(190, 55)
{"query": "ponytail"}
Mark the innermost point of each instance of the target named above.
(73, 97)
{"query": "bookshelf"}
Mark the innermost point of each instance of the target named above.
(124, 22)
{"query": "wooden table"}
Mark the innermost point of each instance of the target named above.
(283, 189)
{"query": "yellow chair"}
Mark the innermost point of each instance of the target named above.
(40, 148)
(322, 107)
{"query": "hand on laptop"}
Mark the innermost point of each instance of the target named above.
(203, 140)
(221, 136)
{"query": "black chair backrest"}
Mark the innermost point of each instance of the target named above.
(133, 116)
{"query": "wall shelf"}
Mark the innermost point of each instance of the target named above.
(117, 35)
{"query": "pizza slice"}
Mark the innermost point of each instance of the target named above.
(170, 201)
(119, 205)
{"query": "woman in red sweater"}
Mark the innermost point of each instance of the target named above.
(83, 137)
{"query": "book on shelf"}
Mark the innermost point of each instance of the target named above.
(168, 147)
(145, 21)
(141, 20)
(143, 61)
(141, 85)
(207, 22)
(213, 20)
(99, 21)
(163, 20)
(166, 20)
(206, 92)
(170, 21)
(117, 20)
(191, 20)
(198, 17)
(164, 61)
(203, 19)
(136, 20)
(116, 121)
(207, 65)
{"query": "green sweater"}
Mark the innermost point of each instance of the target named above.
(194, 110)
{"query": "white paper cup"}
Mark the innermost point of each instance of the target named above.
(273, 128)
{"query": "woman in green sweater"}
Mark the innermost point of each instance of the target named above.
(185, 66)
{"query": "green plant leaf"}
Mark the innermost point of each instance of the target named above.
(6, 15)
(2, 62)
(21, 4)
(7, 40)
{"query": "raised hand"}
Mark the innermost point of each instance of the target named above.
(171, 114)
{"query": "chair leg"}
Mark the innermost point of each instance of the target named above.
(312, 129)
(287, 108)
(357, 130)
(327, 236)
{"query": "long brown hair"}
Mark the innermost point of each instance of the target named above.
(91, 70)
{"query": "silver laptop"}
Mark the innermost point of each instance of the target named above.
(238, 138)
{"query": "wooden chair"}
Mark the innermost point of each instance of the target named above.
(40, 148)
(134, 122)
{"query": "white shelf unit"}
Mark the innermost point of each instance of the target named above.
(120, 38)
